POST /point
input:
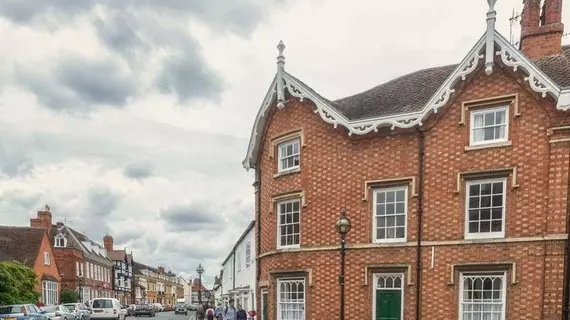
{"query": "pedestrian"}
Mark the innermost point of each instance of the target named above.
(200, 312)
(210, 313)
(241, 314)
(230, 311)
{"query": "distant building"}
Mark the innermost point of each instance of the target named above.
(122, 271)
(83, 263)
(238, 271)
(31, 246)
(155, 285)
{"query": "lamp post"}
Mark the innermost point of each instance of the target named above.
(342, 227)
(200, 270)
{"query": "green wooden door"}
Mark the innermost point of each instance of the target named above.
(388, 305)
(264, 306)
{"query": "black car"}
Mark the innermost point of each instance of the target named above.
(144, 310)
(180, 308)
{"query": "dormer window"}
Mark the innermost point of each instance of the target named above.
(489, 126)
(60, 241)
(288, 155)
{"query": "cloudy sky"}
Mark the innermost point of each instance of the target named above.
(132, 117)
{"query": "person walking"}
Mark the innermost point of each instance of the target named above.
(200, 312)
(230, 311)
(210, 313)
(241, 314)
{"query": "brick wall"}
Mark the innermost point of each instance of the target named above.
(66, 260)
(41, 268)
(334, 168)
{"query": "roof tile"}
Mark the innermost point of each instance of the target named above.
(21, 243)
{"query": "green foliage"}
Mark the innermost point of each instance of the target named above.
(69, 296)
(17, 283)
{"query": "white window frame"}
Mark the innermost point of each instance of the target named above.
(47, 258)
(279, 246)
(502, 275)
(280, 156)
(278, 299)
(377, 276)
(374, 222)
(474, 112)
(60, 241)
(50, 293)
(485, 235)
(248, 253)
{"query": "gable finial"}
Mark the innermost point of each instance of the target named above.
(490, 44)
(281, 58)
(280, 83)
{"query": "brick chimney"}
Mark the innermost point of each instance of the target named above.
(43, 219)
(541, 28)
(108, 243)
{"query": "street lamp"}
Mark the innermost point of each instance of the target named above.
(342, 227)
(200, 270)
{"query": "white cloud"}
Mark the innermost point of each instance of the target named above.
(134, 121)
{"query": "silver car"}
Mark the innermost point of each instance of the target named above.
(58, 313)
(80, 311)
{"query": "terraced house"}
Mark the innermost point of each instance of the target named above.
(455, 180)
(122, 271)
(155, 285)
(83, 263)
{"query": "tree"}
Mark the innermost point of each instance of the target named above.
(17, 283)
(69, 296)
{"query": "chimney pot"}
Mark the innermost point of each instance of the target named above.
(542, 28)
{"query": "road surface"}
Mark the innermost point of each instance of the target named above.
(167, 316)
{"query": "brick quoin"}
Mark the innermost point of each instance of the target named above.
(334, 168)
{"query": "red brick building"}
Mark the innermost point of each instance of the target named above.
(83, 263)
(464, 167)
(32, 247)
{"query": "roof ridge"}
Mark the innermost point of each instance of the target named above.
(22, 227)
(398, 78)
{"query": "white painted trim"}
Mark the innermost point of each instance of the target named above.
(485, 235)
(278, 220)
(374, 289)
(474, 112)
(292, 142)
(509, 55)
(483, 273)
(278, 292)
(374, 226)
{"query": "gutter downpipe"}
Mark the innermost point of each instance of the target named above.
(420, 214)
(566, 280)
(257, 186)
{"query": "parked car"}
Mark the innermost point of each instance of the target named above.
(59, 312)
(107, 308)
(181, 309)
(79, 309)
(145, 310)
(131, 310)
(21, 312)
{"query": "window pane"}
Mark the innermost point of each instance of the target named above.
(381, 197)
(400, 232)
(390, 208)
(474, 189)
(400, 195)
(485, 188)
(485, 226)
(485, 201)
(489, 119)
(473, 227)
(489, 133)
(390, 196)
(381, 209)
(498, 188)
(496, 226)
(500, 117)
(400, 220)
(400, 207)
(485, 214)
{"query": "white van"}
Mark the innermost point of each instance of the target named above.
(107, 309)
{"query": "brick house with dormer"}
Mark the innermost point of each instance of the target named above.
(32, 247)
(455, 180)
(83, 263)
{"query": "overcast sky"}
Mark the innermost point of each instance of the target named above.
(133, 120)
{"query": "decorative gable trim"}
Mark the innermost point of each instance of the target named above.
(509, 55)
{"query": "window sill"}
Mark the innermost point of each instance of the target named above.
(489, 145)
(487, 237)
(402, 240)
(289, 248)
(287, 172)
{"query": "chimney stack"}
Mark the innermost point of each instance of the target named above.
(541, 28)
(42, 220)
(108, 243)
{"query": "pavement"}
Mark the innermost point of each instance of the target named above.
(168, 316)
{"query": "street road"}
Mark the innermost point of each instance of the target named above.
(168, 316)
